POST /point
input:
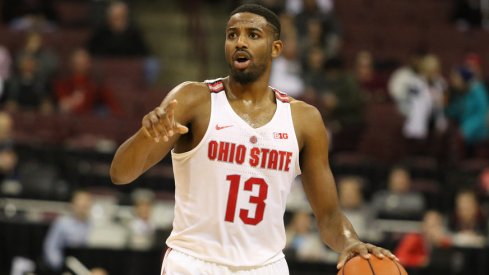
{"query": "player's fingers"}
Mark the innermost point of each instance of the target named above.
(160, 112)
(169, 109)
(164, 121)
(389, 254)
(161, 129)
(170, 112)
(146, 132)
(169, 125)
(377, 251)
(148, 127)
(181, 129)
(154, 120)
(156, 133)
(146, 124)
(157, 128)
(362, 250)
(342, 259)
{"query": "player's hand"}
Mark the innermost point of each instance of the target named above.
(364, 250)
(160, 123)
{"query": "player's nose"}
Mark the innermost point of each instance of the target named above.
(241, 42)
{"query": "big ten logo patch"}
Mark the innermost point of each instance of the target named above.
(280, 135)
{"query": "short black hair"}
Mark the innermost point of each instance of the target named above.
(269, 15)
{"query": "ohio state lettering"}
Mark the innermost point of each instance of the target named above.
(264, 158)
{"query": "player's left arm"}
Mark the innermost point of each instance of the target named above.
(335, 229)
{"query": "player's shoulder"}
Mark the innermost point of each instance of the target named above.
(190, 93)
(191, 88)
(308, 122)
(303, 111)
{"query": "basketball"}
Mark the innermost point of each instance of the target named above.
(373, 266)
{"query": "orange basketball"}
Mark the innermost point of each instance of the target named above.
(373, 266)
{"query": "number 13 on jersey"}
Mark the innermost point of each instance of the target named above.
(259, 201)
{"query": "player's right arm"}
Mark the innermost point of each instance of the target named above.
(317, 179)
(160, 131)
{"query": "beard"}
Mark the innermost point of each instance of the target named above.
(252, 73)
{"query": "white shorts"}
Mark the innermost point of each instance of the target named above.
(178, 263)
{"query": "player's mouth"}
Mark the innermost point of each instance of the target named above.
(241, 60)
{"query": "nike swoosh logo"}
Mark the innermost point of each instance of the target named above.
(222, 127)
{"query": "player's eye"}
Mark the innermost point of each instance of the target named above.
(232, 35)
(254, 35)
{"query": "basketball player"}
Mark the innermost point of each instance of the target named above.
(237, 145)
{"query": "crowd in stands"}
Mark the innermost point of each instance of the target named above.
(443, 112)
(37, 76)
(409, 139)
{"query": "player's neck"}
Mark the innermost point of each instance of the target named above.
(255, 91)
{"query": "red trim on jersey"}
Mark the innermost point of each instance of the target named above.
(281, 96)
(216, 86)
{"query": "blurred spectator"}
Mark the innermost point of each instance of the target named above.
(286, 70)
(8, 157)
(342, 105)
(405, 81)
(35, 66)
(412, 94)
(68, 231)
(469, 106)
(5, 65)
(426, 123)
(141, 228)
(484, 182)
(118, 37)
(415, 249)
(29, 14)
(289, 31)
(353, 205)
(6, 129)
(473, 62)
(468, 223)
(313, 74)
(303, 241)
(398, 201)
(430, 71)
(27, 89)
(46, 59)
(316, 26)
(81, 92)
(371, 83)
(314, 36)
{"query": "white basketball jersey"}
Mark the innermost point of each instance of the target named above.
(231, 189)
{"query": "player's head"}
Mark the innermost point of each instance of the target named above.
(252, 41)
(270, 17)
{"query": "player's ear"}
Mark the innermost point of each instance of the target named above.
(277, 48)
